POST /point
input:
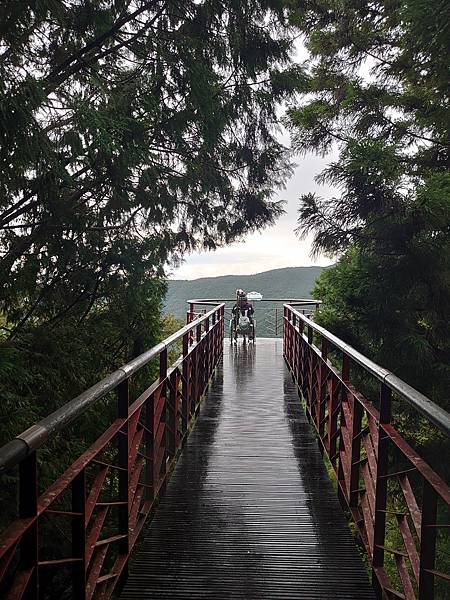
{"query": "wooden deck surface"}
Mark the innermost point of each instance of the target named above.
(249, 511)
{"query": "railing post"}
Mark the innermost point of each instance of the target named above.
(149, 449)
(296, 351)
(301, 326)
(427, 542)
(207, 360)
(172, 397)
(221, 331)
(186, 400)
(310, 393)
(163, 368)
(197, 367)
(163, 419)
(124, 472)
(356, 452)
(28, 495)
(292, 342)
(212, 357)
(379, 527)
(213, 342)
(190, 319)
(333, 404)
(300, 352)
(292, 324)
(79, 536)
(322, 388)
(341, 469)
(287, 332)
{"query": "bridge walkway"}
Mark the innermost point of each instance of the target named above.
(249, 512)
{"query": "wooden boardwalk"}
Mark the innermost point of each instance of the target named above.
(249, 511)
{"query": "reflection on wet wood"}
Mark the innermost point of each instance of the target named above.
(249, 512)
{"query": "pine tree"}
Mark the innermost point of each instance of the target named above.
(130, 133)
(378, 94)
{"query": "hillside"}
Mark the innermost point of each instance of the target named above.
(293, 282)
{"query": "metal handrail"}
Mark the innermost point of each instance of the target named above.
(13, 452)
(290, 301)
(426, 407)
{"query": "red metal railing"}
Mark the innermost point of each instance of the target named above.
(399, 503)
(268, 320)
(103, 499)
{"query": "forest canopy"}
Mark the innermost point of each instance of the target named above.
(131, 131)
(377, 95)
(134, 131)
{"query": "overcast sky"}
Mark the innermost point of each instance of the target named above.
(273, 247)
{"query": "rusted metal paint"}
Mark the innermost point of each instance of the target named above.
(131, 477)
(249, 513)
(363, 469)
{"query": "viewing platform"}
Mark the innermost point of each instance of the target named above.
(250, 512)
(232, 475)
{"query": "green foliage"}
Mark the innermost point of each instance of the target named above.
(387, 309)
(130, 135)
(47, 366)
(171, 324)
(292, 282)
(378, 97)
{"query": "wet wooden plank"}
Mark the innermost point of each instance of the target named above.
(249, 512)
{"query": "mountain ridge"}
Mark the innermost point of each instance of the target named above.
(284, 269)
(287, 282)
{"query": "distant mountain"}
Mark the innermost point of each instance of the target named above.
(291, 282)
